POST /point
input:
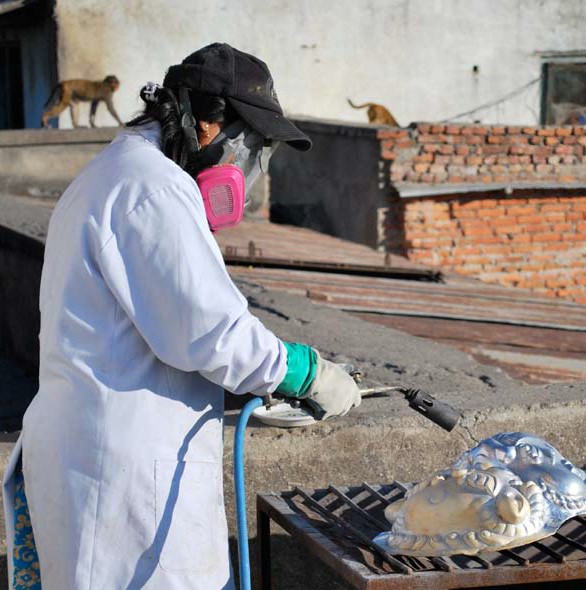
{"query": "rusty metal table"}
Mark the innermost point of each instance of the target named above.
(337, 524)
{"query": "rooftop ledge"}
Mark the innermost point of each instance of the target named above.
(409, 190)
(30, 137)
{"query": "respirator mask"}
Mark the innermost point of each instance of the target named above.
(239, 155)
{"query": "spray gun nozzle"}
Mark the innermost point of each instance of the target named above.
(436, 411)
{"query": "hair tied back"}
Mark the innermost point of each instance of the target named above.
(149, 92)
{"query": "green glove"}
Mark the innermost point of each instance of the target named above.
(326, 387)
(301, 369)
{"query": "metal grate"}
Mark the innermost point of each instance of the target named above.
(338, 525)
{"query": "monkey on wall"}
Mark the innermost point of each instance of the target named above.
(69, 92)
(377, 114)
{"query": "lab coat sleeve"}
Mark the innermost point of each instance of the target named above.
(165, 269)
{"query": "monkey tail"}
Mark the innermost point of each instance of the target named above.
(359, 106)
(55, 95)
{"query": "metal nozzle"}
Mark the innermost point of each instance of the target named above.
(436, 411)
(424, 403)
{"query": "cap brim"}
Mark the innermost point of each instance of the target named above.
(272, 125)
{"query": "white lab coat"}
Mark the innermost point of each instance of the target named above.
(141, 328)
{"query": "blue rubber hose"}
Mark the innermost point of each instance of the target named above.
(239, 492)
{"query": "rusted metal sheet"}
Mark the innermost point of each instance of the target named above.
(406, 298)
(535, 339)
(288, 242)
(362, 270)
(465, 334)
(533, 355)
(337, 525)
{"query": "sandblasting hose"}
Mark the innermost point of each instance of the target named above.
(240, 493)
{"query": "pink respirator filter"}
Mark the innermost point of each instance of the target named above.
(222, 189)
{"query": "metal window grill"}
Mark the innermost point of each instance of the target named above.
(337, 524)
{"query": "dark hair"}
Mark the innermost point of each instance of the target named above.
(165, 109)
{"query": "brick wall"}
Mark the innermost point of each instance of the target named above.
(528, 236)
(430, 153)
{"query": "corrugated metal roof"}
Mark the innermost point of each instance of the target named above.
(287, 242)
(534, 338)
(452, 301)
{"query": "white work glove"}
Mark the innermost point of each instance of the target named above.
(333, 392)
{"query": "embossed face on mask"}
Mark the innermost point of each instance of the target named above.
(510, 490)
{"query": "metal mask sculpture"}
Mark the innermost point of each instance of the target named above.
(512, 489)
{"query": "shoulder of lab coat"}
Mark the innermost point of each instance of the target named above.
(166, 271)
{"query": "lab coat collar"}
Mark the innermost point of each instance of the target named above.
(150, 132)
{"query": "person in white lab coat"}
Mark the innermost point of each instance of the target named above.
(141, 329)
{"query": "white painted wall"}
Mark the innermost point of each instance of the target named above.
(414, 56)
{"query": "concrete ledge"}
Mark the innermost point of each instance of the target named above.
(409, 190)
(357, 448)
(350, 451)
(44, 161)
(28, 137)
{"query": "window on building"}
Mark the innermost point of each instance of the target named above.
(564, 93)
(11, 99)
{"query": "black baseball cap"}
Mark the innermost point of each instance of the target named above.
(245, 82)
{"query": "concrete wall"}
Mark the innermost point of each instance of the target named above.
(41, 162)
(415, 56)
(339, 187)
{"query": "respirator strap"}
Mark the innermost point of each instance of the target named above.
(188, 121)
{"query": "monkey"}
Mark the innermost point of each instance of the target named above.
(377, 114)
(69, 92)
